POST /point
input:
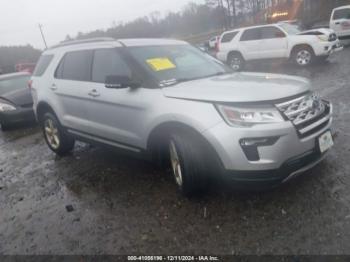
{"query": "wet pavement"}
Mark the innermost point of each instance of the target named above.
(98, 202)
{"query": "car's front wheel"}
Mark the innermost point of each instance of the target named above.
(187, 163)
(303, 56)
(55, 136)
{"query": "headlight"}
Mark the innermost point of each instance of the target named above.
(6, 107)
(323, 38)
(246, 117)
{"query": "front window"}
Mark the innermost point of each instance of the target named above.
(290, 29)
(176, 63)
(12, 84)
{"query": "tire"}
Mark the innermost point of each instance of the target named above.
(236, 61)
(55, 136)
(303, 56)
(187, 163)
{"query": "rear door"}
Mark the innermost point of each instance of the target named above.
(340, 22)
(250, 44)
(71, 86)
(274, 43)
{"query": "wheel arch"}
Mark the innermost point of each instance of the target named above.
(292, 50)
(41, 109)
(232, 52)
(158, 138)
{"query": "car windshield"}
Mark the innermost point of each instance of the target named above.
(171, 64)
(12, 84)
(342, 14)
(290, 29)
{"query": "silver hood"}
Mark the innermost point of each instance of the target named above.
(239, 87)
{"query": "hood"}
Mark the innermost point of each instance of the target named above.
(21, 97)
(239, 88)
(318, 31)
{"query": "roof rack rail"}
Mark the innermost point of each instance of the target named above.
(83, 41)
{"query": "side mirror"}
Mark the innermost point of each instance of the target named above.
(120, 81)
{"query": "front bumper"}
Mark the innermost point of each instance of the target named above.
(267, 179)
(288, 156)
(20, 115)
(327, 48)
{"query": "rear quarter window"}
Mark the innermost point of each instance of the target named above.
(42, 65)
(228, 37)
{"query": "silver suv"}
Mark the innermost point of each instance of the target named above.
(168, 100)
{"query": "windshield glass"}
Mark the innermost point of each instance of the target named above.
(341, 14)
(290, 29)
(12, 84)
(176, 63)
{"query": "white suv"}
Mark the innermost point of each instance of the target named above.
(273, 41)
(340, 23)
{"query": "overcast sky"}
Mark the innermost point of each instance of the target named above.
(19, 18)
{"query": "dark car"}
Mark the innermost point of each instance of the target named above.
(16, 102)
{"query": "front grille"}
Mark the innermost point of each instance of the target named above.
(332, 37)
(309, 114)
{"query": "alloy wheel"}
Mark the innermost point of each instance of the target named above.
(51, 133)
(175, 163)
(303, 57)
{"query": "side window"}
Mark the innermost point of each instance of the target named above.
(42, 65)
(251, 34)
(271, 32)
(76, 66)
(341, 14)
(108, 62)
(228, 37)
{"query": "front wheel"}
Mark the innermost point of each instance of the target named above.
(303, 56)
(187, 163)
(55, 136)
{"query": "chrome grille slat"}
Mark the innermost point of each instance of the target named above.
(314, 125)
(307, 113)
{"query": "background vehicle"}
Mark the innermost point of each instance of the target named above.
(213, 42)
(16, 103)
(340, 22)
(276, 41)
(169, 100)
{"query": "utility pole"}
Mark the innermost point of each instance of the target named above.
(42, 34)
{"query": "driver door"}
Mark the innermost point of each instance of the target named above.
(116, 114)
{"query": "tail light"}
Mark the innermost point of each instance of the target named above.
(217, 46)
(30, 84)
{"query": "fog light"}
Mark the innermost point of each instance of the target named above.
(250, 146)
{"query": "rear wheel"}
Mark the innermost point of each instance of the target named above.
(303, 56)
(56, 138)
(236, 61)
(187, 163)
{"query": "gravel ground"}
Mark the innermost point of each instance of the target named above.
(98, 202)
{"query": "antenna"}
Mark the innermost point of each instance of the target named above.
(42, 34)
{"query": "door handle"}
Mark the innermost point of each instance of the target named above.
(94, 93)
(337, 23)
(53, 87)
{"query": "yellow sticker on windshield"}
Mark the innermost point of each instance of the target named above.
(161, 63)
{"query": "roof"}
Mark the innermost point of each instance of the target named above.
(250, 27)
(124, 42)
(342, 7)
(8, 76)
